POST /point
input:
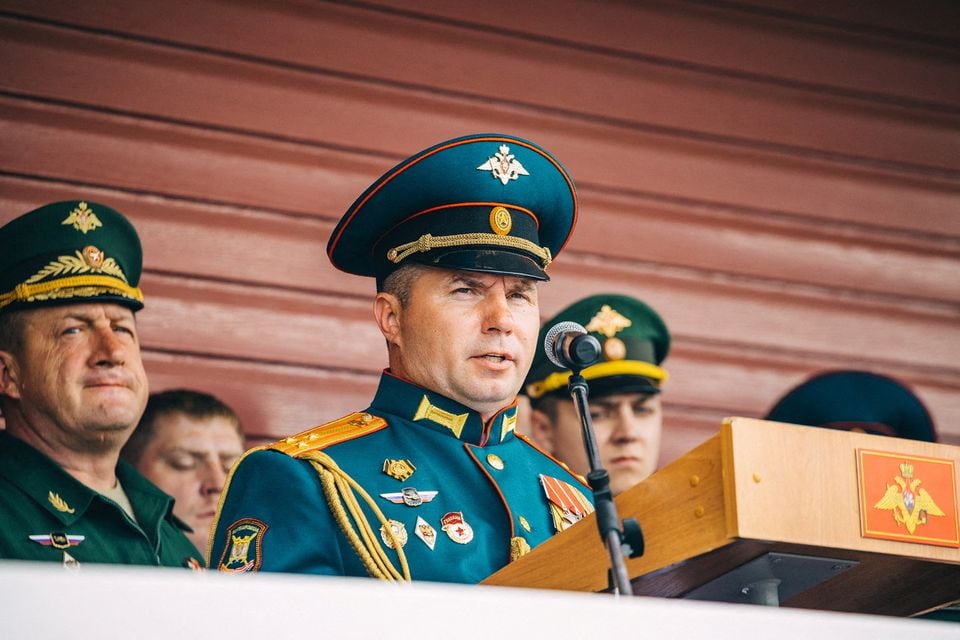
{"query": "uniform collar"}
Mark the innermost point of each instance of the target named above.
(65, 497)
(436, 412)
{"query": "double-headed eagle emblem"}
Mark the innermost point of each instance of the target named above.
(911, 505)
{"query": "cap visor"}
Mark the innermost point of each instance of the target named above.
(485, 261)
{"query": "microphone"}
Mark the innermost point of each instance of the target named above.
(569, 346)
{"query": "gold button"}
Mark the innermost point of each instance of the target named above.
(495, 461)
(524, 523)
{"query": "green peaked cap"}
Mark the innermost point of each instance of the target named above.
(69, 252)
(634, 341)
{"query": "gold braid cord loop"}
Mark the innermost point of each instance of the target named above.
(341, 493)
(429, 242)
(76, 286)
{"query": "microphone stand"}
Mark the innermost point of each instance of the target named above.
(608, 521)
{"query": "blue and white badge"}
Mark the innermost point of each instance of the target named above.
(410, 496)
(58, 540)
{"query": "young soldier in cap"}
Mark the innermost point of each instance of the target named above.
(624, 390)
(72, 387)
(856, 401)
(430, 482)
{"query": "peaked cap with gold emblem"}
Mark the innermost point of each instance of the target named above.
(634, 341)
(68, 252)
(856, 401)
(487, 202)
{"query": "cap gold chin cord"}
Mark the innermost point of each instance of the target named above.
(86, 286)
(428, 242)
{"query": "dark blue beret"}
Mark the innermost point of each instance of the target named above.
(856, 401)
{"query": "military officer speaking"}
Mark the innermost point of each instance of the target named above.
(72, 388)
(431, 481)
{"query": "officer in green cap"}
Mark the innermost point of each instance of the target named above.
(431, 480)
(624, 390)
(72, 388)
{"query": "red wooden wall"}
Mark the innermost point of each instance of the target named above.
(783, 186)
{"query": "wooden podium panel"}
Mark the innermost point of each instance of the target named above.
(758, 488)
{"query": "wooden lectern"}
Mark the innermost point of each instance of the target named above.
(764, 503)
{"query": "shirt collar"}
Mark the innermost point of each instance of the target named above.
(438, 413)
(65, 497)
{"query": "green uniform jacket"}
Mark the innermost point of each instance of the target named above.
(48, 515)
(462, 498)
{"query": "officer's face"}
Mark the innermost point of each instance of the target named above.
(78, 380)
(189, 458)
(468, 336)
(628, 428)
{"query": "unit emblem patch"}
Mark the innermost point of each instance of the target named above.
(244, 549)
(908, 498)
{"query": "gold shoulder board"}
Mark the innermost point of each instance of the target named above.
(340, 430)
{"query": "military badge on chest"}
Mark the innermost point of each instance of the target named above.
(410, 497)
(395, 536)
(567, 504)
(456, 527)
(453, 523)
(62, 541)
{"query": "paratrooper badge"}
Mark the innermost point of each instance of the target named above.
(456, 527)
(244, 549)
(410, 496)
(908, 498)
